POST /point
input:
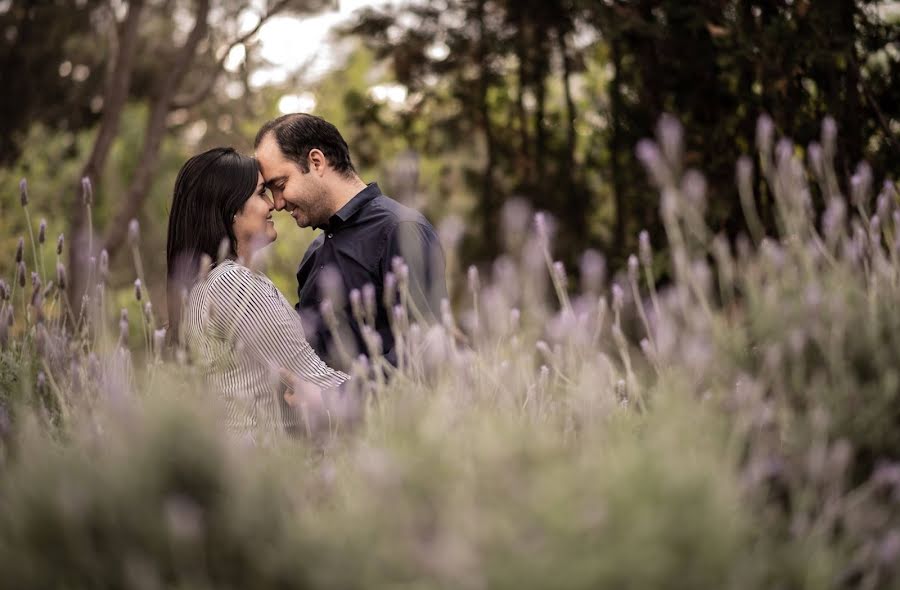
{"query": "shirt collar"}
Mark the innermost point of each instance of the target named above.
(353, 205)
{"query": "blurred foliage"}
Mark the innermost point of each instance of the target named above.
(733, 428)
(548, 99)
(457, 106)
(44, 50)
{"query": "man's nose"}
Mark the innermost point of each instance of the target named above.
(278, 201)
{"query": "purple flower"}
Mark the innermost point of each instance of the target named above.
(23, 192)
(644, 248)
(814, 154)
(61, 275)
(670, 138)
(87, 191)
(829, 134)
(134, 231)
(618, 297)
(650, 156)
(474, 281)
(633, 267)
(559, 271)
(104, 265)
(368, 293)
(540, 224)
(861, 184)
(765, 130)
(593, 270)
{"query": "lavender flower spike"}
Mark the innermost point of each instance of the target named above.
(61, 275)
(765, 130)
(644, 248)
(134, 231)
(87, 190)
(474, 282)
(23, 192)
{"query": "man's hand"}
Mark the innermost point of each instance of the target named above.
(302, 394)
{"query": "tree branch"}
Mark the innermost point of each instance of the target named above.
(115, 96)
(198, 95)
(155, 130)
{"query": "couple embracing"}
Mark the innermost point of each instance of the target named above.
(263, 356)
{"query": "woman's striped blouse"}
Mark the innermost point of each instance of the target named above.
(243, 331)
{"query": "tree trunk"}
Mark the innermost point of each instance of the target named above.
(114, 99)
(155, 130)
(852, 125)
(578, 204)
(539, 82)
(488, 198)
(615, 143)
(525, 160)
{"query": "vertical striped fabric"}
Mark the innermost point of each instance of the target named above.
(242, 330)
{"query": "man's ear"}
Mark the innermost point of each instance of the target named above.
(317, 161)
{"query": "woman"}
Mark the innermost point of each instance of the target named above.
(233, 320)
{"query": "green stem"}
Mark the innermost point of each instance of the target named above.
(33, 246)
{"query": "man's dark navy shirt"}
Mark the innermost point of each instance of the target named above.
(360, 243)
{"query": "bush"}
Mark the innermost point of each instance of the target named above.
(737, 429)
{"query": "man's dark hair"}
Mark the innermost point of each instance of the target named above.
(298, 133)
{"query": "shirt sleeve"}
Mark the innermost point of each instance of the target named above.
(249, 310)
(418, 245)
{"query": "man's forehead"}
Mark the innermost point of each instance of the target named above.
(268, 148)
(271, 160)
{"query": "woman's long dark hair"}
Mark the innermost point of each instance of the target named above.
(210, 190)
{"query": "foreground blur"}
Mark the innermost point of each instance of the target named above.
(737, 428)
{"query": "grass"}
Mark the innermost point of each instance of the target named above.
(734, 429)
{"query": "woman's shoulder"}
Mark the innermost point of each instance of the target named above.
(230, 277)
(227, 291)
(224, 278)
(227, 267)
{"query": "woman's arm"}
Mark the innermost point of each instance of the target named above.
(250, 310)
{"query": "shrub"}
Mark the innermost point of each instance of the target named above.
(735, 429)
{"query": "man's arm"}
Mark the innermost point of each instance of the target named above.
(418, 245)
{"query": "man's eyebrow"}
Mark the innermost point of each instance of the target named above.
(272, 181)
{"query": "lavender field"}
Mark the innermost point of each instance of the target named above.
(722, 415)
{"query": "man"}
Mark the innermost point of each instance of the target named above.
(306, 164)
